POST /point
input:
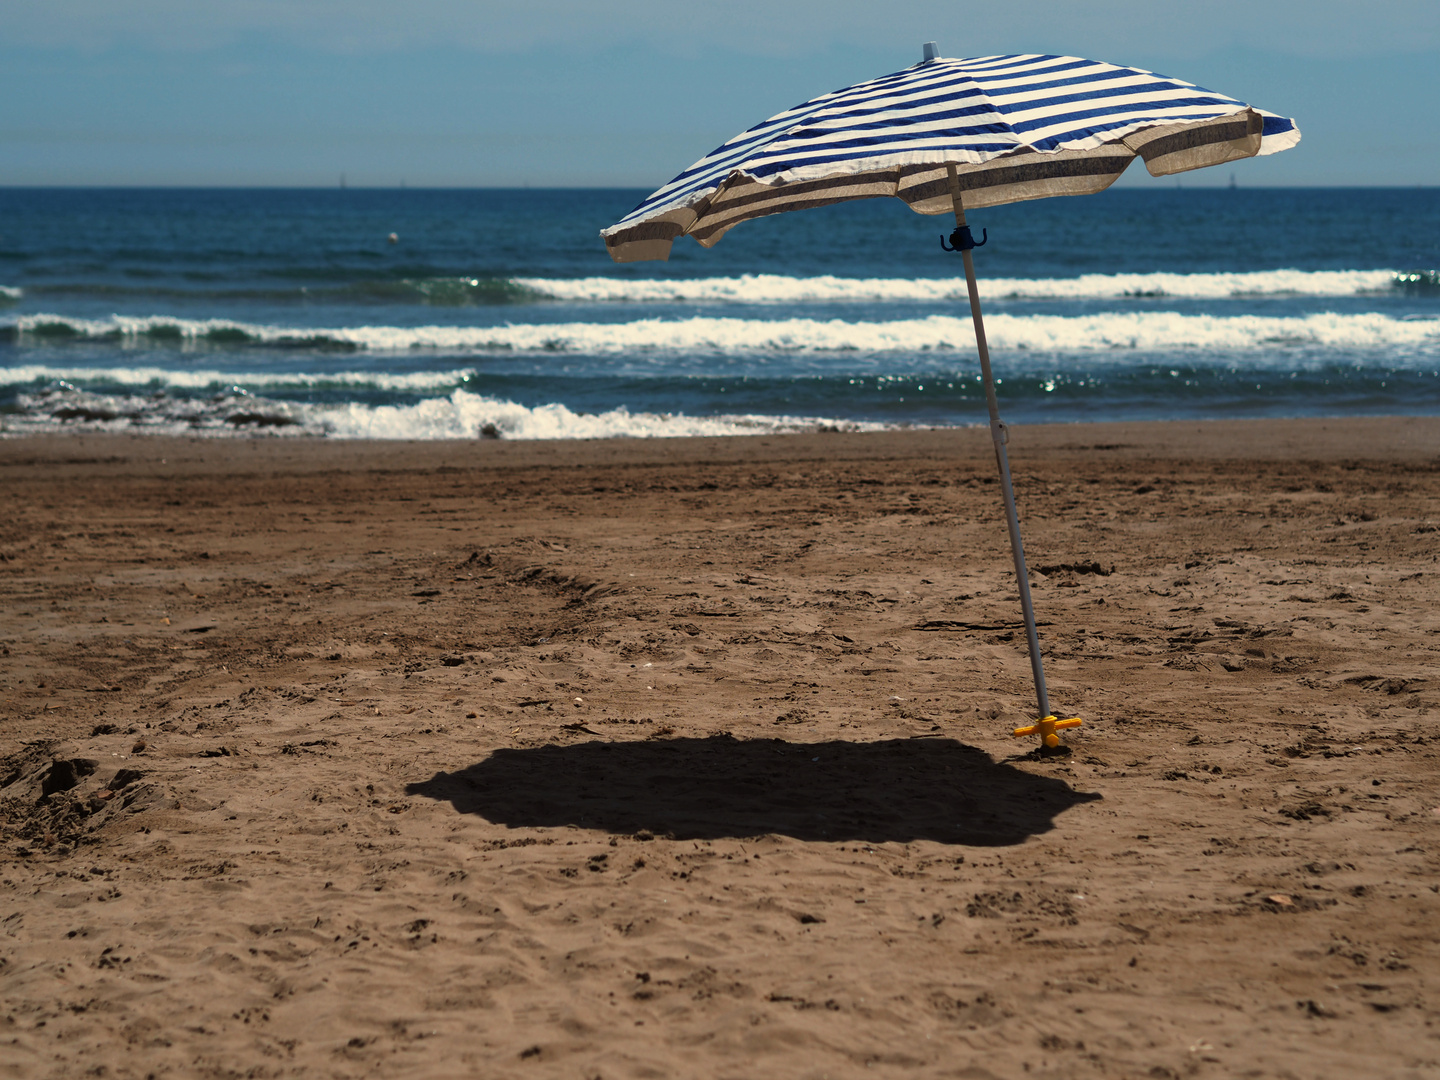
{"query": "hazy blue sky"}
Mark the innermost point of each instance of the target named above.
(628, 92)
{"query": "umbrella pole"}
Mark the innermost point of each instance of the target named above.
(999, 435)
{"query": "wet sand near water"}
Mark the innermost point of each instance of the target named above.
(692, 757)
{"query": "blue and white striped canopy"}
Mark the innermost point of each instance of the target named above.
(1016, 128)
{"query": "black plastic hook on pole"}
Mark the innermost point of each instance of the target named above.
(962, 239)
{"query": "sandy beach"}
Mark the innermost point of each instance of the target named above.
(691, 758)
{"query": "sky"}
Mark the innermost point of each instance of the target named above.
(626, 93)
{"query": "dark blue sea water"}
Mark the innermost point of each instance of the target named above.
(498, 313)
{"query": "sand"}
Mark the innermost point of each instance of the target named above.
(692, 758)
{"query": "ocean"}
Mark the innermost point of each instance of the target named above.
(498, 314)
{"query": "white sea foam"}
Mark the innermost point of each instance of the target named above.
(780, 289)
(193, 379)
(466, 415)
(1135, 330)
(826, 288)
(460, 415)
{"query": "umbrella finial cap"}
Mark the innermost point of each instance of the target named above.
(931, 51)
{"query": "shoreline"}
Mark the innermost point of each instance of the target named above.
(1413, 439)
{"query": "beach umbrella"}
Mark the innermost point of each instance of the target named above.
(943, 135)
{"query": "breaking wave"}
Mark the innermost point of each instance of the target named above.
(780, 289)
(459, 415)
(490, 291)
(201, 379)
(1143, 330)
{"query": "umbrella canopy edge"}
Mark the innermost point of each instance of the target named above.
(1020, 176)
(1016, 128)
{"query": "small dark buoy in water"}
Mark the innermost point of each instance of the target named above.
(394, 238)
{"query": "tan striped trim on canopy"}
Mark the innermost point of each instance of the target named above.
(1020, 176)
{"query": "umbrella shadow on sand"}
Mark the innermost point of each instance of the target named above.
(706, 789)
